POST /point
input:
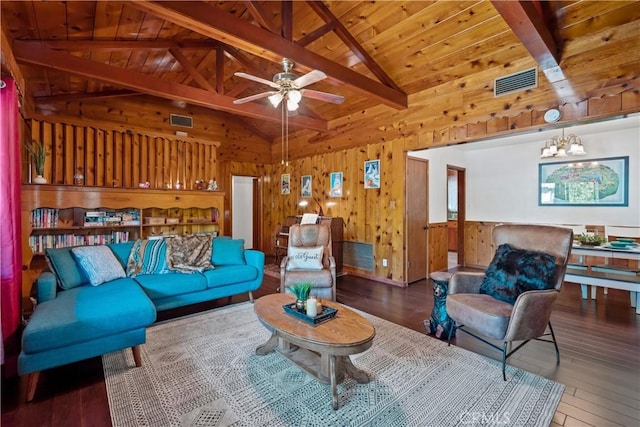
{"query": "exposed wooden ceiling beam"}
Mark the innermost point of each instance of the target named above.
(109, 45)
(220, 70)
(9, 61)
(202, 18)
(55, 60)
(236, 55)
(83, 96)
(315, 34)
(351, 42)
(257, 11)
(191, 70)
(286, 13)
(528, 25)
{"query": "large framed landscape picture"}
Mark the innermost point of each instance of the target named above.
(596, 182)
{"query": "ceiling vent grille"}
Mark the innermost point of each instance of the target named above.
(516, 82)
(183, 121)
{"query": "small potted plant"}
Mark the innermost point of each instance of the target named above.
(301, 291)
(38, 153)
(591, 239)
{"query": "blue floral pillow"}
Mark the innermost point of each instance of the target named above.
(514, 271)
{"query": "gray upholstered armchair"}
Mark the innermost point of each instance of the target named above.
(309, 260)
(528, 316)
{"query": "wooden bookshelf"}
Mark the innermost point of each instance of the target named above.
(65, 209)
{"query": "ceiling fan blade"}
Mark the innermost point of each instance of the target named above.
(254, 97)
(258, 79)
(309, 78)
(322, 96)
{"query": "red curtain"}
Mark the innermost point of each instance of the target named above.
(10, 230)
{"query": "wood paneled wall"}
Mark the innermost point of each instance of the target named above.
(367, 213)
(420, 128)
(110, 158)
(478, 245)
(104, 154)
(438, 246)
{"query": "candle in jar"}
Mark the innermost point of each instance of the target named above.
(319, 306)
(312, 307)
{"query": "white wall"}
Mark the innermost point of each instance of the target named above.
(242, 209)
(502, 176)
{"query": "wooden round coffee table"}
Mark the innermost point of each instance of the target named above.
(323, 350)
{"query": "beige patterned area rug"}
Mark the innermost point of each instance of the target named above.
(272, 270)
(202, 371)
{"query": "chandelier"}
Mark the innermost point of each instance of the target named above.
(563, 147)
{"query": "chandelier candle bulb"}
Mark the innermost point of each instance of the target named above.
(312, 307)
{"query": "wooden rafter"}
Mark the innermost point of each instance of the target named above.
(287, 19)
(315, 34)
(528, 25)
(235, 55)
(220, 70)
(257, 11)
(348, 39)
(110, 45)
(203, 19)
(191, 70)
(84, 96)
(55, 60)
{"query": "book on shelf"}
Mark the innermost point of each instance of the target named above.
(44, 218)
(38, 243)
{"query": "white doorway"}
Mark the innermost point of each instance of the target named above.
(242, 189)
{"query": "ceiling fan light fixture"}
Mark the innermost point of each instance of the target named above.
(291, 105)
(275, 99)
(294, 96)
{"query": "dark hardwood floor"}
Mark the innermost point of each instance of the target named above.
(599, 345)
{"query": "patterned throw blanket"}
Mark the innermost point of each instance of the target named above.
(189, 253)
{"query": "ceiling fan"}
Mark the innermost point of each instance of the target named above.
(289, 88)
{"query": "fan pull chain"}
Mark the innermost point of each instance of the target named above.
(286, 150)
(282, 133)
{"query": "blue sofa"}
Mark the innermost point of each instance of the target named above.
(75, 320)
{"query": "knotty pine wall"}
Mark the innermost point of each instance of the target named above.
(112, 158)
(367, 213)
(104, 155)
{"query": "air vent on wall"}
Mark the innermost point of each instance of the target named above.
(184, 121)
(516, 82)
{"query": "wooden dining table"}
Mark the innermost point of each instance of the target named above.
(606, 275)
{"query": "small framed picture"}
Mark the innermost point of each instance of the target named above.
(305, 186)
(372, 174)
(336, 184)
(285, 183)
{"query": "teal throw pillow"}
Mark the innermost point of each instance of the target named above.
(228, 252)
(99, 264)
(63, 264)
(121, 251)
(514, 271)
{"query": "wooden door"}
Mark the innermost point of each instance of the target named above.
(416, 218)
(456, 226)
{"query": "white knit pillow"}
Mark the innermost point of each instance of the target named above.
(99, 263)
(305, 258)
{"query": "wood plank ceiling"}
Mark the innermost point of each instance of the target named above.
(384, 57)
